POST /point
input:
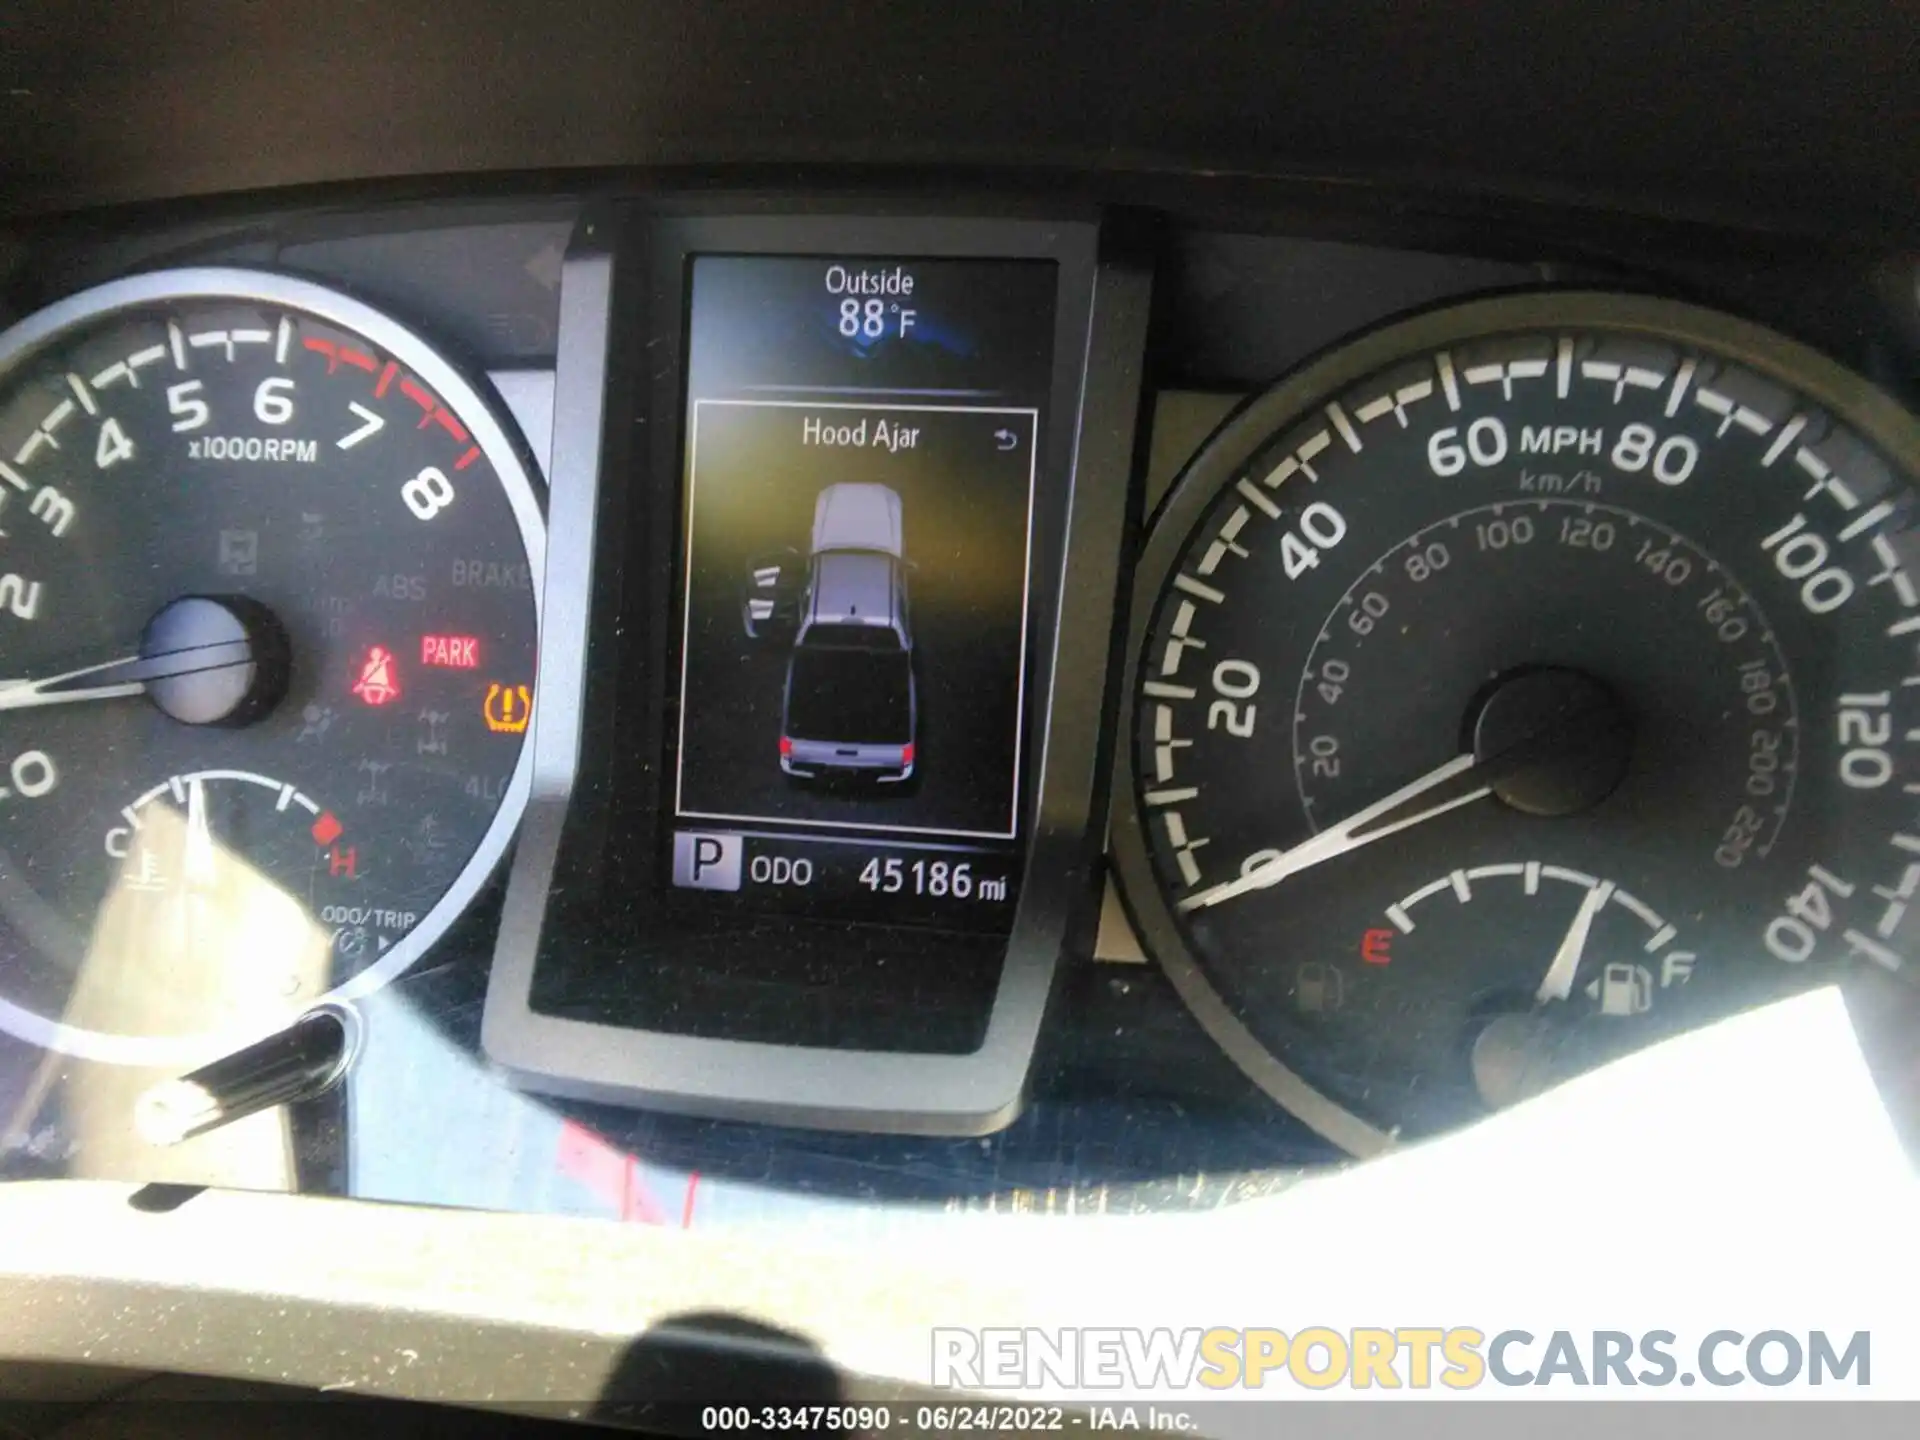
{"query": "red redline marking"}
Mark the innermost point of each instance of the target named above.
(686, 1208)
(433, 413)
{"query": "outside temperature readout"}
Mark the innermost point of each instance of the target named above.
(882, 311)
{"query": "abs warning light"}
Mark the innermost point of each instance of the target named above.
(450, 652)
(378, 683)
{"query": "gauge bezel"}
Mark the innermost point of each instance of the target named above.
(1848, 397)
(503, 450)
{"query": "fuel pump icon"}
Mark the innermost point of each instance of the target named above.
(1318, 987)
(1624, 989)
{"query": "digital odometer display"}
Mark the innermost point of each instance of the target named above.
(1525, 682)
(268, 623)
(856, 562)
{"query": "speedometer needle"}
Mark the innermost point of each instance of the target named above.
(1580, 740)
(1441, 789)
(129, 675)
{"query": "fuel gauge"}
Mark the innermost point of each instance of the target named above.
(1606, 964)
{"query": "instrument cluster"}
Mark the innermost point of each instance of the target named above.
(868, 705)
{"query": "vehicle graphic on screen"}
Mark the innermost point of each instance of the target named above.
(850, 707)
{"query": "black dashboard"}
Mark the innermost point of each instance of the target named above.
(592, 644)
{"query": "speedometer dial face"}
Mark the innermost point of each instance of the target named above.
(269, 573)
(1522, 683)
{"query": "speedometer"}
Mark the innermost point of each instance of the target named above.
(269, 575)
(1518, 684)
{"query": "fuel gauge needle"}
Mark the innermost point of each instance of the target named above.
(1558, 982)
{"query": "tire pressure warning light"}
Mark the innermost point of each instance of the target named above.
(507, 708)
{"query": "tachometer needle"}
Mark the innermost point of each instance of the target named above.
(1558, 983)
(129, 675)
(1458, 782)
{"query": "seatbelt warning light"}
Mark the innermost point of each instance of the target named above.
(378, 683)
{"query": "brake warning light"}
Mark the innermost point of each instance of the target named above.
(450, 652)
(378, 683)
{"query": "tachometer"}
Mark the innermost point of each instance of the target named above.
(269, 580)
(1522, 682)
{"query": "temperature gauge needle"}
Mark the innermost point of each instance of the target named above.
(200, 863)
(1558, 982)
